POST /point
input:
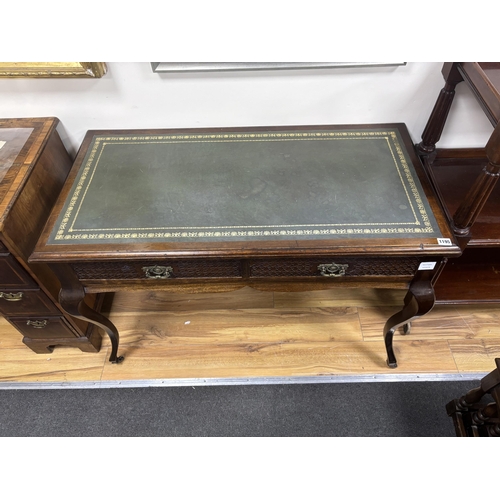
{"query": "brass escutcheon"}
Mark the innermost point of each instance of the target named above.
(37, 323)
(12, 297)
(332, 270)
(158, 272)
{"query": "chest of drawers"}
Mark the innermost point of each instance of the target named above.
(33, 167)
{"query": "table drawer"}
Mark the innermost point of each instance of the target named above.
(252, 268)
(336, 267)
(190, 269)
(40, 327)
(12, 274)
(26, 302)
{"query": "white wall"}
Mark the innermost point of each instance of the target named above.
(130, 95)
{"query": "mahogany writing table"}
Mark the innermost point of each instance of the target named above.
(288, 208)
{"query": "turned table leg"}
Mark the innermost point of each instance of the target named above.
(71, 299)
(473, 417)
(435, 124)
(418, 301)
(479, 192)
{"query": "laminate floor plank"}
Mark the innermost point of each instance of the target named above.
(63, 365)
(484, 320)
(10, 338)
(476, 355)
(340, 297)
(276, 360)
(238, 326)
(132, 303)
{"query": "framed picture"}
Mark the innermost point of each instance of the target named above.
(178, 67)
(52, 69)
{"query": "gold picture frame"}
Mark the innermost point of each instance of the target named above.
(52, 69)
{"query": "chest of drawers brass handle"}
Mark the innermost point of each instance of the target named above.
(332, 270)
(158, 272)
(37, 323)
(12, 297)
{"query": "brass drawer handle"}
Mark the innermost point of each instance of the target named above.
(332, 270)
(12, 297)
(158, 272)
(37, 323)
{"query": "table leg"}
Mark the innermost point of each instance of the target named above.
(418, 301)
(435, 124)
(71, 299)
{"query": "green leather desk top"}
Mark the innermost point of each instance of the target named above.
(233, 186)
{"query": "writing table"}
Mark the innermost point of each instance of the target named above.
(275, 208)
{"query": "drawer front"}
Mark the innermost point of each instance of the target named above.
(336, 267)
(26, 302)
(13, 275)
(40, 327)
(190, 269)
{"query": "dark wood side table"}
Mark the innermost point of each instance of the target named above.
(477, 413)
(276, 208)
(33, 167)
(466, 180)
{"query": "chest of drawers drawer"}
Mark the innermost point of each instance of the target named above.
(40, 327)
(26, 302)
(13, 275)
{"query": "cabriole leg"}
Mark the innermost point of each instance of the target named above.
(419, 300)
(71, 299)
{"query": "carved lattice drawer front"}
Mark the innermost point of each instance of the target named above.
(168, 269)
(336, 266)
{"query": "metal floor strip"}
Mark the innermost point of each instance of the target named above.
(186, 382)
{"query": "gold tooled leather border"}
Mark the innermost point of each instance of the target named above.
(65, 230)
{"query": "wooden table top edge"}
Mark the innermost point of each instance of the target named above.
(426, 247)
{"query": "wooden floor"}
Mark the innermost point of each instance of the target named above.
(255, 336)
